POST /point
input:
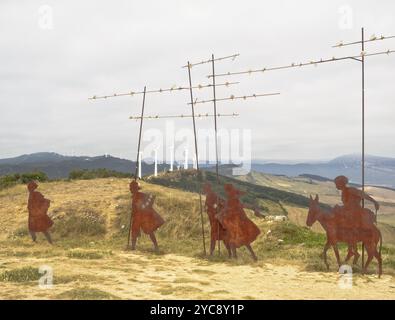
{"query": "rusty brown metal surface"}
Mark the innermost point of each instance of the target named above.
(38, 206)
(241, 231)
(213, 205)
(145, 217)
(350, 223)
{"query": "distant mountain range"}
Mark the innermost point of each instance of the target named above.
(59, 166)
(379, 171)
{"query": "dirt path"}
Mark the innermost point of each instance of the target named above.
(137, 276)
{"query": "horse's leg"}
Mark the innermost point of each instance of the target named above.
(324, 256)
(370, 258)
(370, 252)
(356, 254)
(379, 261)
(350, 252)
(233, 249)
(377, 253)
(227, 246)
(336, 250)
(252, 252)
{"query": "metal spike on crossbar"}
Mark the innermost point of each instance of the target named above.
(233, 97)
(184, 116)
(171, 89)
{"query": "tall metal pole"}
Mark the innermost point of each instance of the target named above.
(141, 128)
(216, 144)
(197, 157)
(215, 118)
(363, 133)
(137, 158)
(363, 115)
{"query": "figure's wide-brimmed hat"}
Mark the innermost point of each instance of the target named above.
(231, 190)
(341, 180)
(134, 186)
(32, 185)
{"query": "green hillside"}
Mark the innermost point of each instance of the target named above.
(269, 200)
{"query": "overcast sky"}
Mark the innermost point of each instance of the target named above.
(100, 47)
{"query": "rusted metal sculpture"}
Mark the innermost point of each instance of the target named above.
(352, 209)
(241, 231)
(144, 215)
(350, 223)
(38, 206)
(214, 204)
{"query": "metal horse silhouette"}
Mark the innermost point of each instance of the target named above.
(350, 223)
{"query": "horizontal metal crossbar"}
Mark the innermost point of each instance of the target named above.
(373, 38)
(174, 88)
(183, 116)
(302, 64)
(232, 97)
(190, 65)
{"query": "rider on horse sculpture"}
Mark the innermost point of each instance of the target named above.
(351, 223)
(352, 210)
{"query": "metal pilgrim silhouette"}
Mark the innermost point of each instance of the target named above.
(241, 231)
(38, 206)
(144, 215)
(215, 204)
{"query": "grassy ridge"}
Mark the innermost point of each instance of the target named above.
(269, 200)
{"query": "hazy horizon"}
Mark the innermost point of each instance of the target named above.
(254, 160)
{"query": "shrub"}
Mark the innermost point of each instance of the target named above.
(292, 234)
(86, 174)
(79, 222)
(33, 176)
(17, 178)
(86, 293)
(84, 254)
(24, 274)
